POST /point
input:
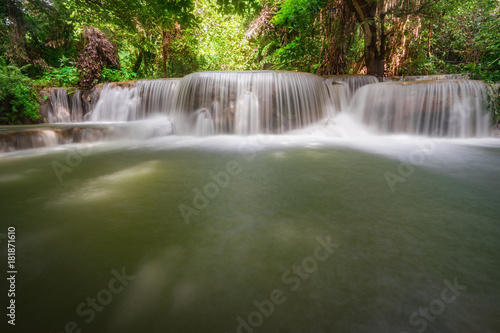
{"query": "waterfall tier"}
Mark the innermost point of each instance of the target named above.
(134, 100)
(64, 107)
(452, 108)
(352, 82)
(250, 102)
(428, 77)
(28, 138)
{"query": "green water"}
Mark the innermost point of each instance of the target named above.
(390, 252)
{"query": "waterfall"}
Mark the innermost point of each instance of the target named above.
(157, 96)
(78, 107)
(64, 108)
(338, 93)
(116, 104)
(352, 82)
(251, 102)
(204, 123)
(134, 101)
(59, 111)
(452, 108)
(246, 116)
(428, 77)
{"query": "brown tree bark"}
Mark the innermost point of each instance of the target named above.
(370, 15)
(138, 62)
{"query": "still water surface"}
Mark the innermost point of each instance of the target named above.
(256, 234)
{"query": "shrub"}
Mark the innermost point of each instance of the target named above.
(98, 53)
(18, 98)
(114, 75)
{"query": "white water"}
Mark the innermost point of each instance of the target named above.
(428, 77)
(27, 140)
(59, 106)
(453, 108)
(250, 102)
(267, 102)
(77, 105)
(64, 108)
(134, 101)
(247, 103)
(247, 115)
(352, 83)
(116, 104)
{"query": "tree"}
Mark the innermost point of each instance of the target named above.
(97, 54)
(34, 32)
(371, 15)
(147, 23)
(339, 31)
(375, 16)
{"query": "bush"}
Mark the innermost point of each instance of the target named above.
(99, 53)
(114, 75)
(60, 77)
(18, 98)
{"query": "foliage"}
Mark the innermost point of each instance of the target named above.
(115, 75)
(59, 77)
(240, 7)
(220, 40)
(298, 31)
(411, 37)
(35, 32)
(18, 97)
(474, 36)
(66, 75)
(145, 29)
(67, 42)
(98, 53)
(448, 37)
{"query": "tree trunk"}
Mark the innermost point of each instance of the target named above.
(374, 57)
(375, 37)
(138, 62)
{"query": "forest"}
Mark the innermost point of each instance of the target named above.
(81, 43)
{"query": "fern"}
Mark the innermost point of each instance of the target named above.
(18, 98)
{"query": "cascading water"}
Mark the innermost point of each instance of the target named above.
(453, 108)
(247, 117)
(352, 82)
(77, 107)
(204, 123)
(251, 102)
(428, 77)
(157, 96)
(64, 108)
(246, 103)
(116, 104)
(20, 138)
(134, 101)
(338, 93)
(59, 106)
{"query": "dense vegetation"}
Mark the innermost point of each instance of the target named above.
(83, 42)
(18, 97)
